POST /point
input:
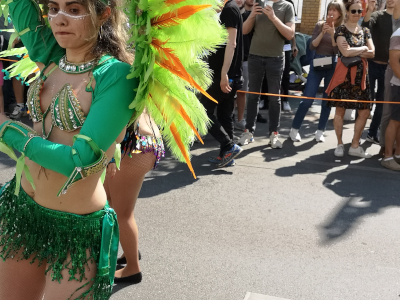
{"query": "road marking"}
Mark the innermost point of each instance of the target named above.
(254, 296)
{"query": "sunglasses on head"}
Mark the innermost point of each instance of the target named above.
(356, 11)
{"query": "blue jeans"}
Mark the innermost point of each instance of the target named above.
(376, 72)
(313, 81)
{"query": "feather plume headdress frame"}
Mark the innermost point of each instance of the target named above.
(171, 37)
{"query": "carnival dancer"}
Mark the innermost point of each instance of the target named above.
(142, 149)
(79, 106)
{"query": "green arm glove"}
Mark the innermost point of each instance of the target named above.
(35, 35)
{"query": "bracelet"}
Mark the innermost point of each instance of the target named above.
(31, 136)
(112, 161)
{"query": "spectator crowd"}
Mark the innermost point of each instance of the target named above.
(356, 52)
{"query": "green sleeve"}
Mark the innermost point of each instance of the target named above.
(39, 40)
(108, 115)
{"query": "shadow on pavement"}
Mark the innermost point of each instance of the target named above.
(364, 187)
(363, 196)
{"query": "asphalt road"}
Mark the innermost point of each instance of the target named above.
(294, 223)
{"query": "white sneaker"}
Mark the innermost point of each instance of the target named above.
(240, 125)
(275, 142)
(295, 135)
(286, 106)
(245, 138)
(359, 152)
(319, 136)
(339, 151)
(18, 111)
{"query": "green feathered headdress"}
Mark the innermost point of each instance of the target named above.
(171, 38)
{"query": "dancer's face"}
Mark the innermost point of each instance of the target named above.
(72, 24)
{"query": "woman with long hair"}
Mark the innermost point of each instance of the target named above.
(326, 50)
(59, 237)
(350, 80)
(142, 149)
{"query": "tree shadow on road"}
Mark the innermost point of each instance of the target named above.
(364, 186)
(363, 192)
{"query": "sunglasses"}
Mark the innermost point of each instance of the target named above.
(356, 11)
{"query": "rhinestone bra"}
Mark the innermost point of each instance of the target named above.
(66, 112)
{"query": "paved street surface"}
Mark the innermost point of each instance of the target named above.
(295, 223)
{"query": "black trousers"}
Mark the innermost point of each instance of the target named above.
(222, 123)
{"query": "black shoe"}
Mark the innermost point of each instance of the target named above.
(372, 139)
(133, 279)
(122, 260)
(261, 119)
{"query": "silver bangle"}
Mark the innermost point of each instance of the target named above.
(31, 136)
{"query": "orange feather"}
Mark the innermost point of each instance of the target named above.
(172, 18)
(185, 116)
(178, 140)
(168, 60)
(173, 2)
(178, 107)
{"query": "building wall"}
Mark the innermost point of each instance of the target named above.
(310, 16)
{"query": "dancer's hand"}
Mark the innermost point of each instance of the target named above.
(111, 169)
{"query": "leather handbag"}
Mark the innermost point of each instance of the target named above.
(351, 61)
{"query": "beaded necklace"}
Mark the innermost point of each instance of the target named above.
(72, 68)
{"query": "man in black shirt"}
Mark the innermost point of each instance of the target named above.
(226, 64)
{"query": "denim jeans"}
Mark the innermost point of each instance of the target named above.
(271, 68)
(222, 124)
(376, 72)
(313, 81)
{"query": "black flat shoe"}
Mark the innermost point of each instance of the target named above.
(133, 279)
(122, 260)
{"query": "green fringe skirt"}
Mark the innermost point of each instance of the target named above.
(31, 231)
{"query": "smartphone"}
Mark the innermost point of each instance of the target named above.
(261, 3)
(329, 20)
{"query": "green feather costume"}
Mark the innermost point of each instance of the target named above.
(170, 38)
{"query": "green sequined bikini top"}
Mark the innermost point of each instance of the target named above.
(66, 112)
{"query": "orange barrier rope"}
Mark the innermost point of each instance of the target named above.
(315, 98)
(9, 59)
